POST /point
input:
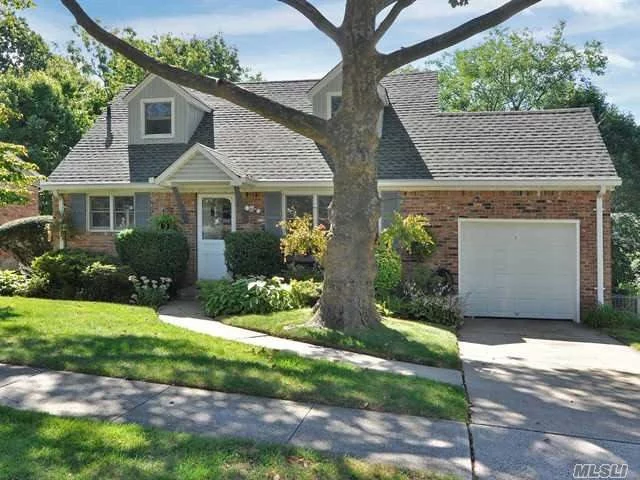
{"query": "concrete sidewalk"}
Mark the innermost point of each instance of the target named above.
(188, 315)
(406, 441)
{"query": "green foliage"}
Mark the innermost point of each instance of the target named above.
(389, 273)
(605, 316)
(26, 238)
(303, 239)
(11, 282)
(165, 222)
(21, 49)
(154, 253)
(626, 249)
(253, 253)
(150, 293)
(305, 293)
(77, 274)
(410, 234)
(48, 110)
(513, 70)
(210, 56)
(245, 295)
(440, 309)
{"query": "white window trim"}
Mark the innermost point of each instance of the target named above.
(112, 212)
(330, 95)
(315, 209)
(143, 120)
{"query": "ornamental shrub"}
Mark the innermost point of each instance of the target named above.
(305, 293)
(12, 283)
(106, 283)
(252, 253)
(64, 272)
(433, 308)
(26, 238)
(303, 239)
(245, 296)
(154, 253)
(410, 234)
(605, 316)
(389, 273)
(150, 293)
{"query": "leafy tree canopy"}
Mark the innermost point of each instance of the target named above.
(210, 56)
(51, 108)
(20, 47)
(513, 70)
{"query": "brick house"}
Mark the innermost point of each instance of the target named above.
(14, 212)
(519, 202)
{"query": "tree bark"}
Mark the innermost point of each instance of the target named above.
(348, 298)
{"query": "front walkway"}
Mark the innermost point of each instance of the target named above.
(546, 395)
(406, 441)
(188, 314)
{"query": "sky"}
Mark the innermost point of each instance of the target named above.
(274, 39)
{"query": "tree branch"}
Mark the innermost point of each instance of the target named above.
(300, 122)
(316, 17)
(403, 56)
(390, 19)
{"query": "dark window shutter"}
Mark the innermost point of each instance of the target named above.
(390, 202)
(273, 212)
(142, 209)
(78, 205)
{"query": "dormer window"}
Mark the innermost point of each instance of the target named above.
(158, 118)
(334, 101)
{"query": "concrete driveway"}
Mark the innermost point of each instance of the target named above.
(547, 395)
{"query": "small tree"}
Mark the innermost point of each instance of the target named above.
(350, 137)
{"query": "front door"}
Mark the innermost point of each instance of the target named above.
(216, 217)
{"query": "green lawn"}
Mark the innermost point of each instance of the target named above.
(41, 447)
(130, 342)
(394, 339)
(627, 332)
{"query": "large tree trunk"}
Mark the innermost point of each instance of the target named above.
(348, 299)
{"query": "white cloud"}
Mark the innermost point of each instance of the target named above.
(618, 60)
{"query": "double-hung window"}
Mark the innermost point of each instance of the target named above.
(111, 212)
(316, 206)
(158, 118)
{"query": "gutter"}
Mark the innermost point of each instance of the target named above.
(600, 288)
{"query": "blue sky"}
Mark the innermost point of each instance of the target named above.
(274, 39)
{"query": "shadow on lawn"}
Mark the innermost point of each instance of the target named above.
(215, 365)
(37, 445)
(7, 312)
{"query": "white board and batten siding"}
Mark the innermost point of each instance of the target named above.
(199, 168)
(519, 268)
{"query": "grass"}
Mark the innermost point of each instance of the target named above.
(130, 342)
(394, 339)
(42, 447)
(627, 332)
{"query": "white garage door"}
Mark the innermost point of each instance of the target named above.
(519, 269)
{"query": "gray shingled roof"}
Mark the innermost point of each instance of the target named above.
(417, 141)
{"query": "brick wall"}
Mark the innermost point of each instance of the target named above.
(445, 207)
(14, 212)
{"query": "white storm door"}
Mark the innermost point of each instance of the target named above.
(216, 217)
(519, 269)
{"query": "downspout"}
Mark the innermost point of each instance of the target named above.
(600, 244)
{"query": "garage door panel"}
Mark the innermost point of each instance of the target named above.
(519, 269)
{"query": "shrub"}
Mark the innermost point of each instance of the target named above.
(165, 222)
(154, 253)
(410, 234)
(150, 293)
(425, 278)
(389, 273)
(305, 293)
(433, 308)
(605, 316)
(64, 272)
(303, 272)
(252, 253)
(303, 239)
(105, 283)
(26, 238)
(245, 296)
(12, 282)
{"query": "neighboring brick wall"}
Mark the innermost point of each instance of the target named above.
(445, 207)
(14, 212)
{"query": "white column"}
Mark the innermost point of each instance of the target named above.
(61, 233)
(600, 245)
